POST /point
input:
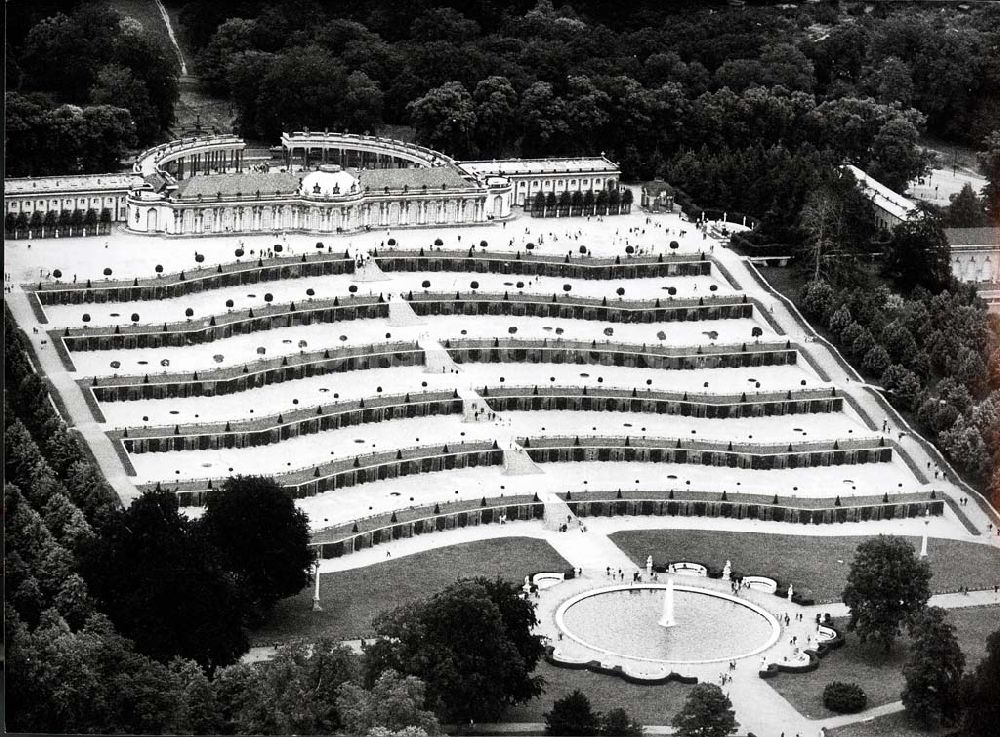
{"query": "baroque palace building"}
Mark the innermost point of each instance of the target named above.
(326, 183)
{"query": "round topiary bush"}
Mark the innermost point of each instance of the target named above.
(438, 242)
(391, 241)
(844, 698)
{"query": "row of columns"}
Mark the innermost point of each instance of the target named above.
(324, 219)
(346, 158)
(211, 161)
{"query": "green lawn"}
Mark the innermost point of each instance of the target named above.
(891, 725)
(808, 563)
(880, 676)
(351, 599)
(647, 704)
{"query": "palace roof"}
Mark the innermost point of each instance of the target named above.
(973, 237)
(62, 184)
(245, 183)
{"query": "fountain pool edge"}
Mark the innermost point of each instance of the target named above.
(755, 608)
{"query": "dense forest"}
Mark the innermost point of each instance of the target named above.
(84, 86)
(747, 110)
(490, 79)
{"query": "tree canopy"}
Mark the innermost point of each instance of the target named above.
(471, 644)
(85, 85)
(887, 586)
(933, 672)
(261, 537)
(707, 712)
(982, 692)
(163, 586)
(919, 254)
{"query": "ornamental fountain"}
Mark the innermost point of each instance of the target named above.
(667, 620)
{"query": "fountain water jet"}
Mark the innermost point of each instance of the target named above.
(667, 620)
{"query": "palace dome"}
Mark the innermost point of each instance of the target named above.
(328, 181)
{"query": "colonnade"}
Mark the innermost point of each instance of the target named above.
(210, 162)
(345, 157)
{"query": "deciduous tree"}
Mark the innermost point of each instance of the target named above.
(471, 644)
(887, 587)
(707, 712)
(982, 692)
(262, 537)
(933, 672)
(393, 703)
(572, 715)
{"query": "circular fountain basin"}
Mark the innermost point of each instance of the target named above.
(710, 626)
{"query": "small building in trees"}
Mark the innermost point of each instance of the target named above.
(657, 196)
(889, 208)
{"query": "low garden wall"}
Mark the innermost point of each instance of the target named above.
(579, 308)
(757, 456)
(241, 322)
(754, 510)
(276, 428)
(434, 523)
(713, 406)
(822, 649)
(595, 666)
(312, 480)
(618, 354)
(183, 283)
(216, 382)
(528, 264)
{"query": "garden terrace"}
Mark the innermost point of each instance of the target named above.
(620, 354)
(687, 494)
(756, 456)
(581, 308)
(200, 280)
(275, 428)
(230, 380)
(222, 326)
(409, 514)
(527, 508)
(348, 538)
(316, 479)
(816, 511)
(528, 264)
(720, 406)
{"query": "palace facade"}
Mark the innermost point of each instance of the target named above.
(325, 183)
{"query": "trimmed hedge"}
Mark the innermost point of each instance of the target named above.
(844, 698)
